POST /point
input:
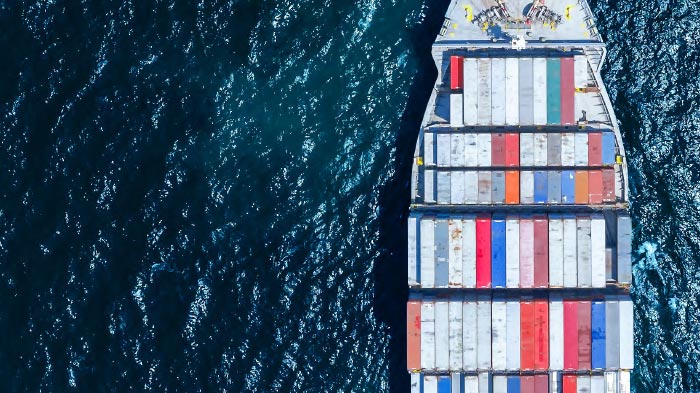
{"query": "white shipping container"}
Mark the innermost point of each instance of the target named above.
(580, 71)
(512, 253)
(498, 91)
(527, 253)
(540, 151)
(580, 80)
(512, 94)
(427, 334)
(498, 334)
(471, 188)
(471, 384)
(626, 335)
(469, 253)
(457, 382)
(483, 143)
(556, 332)
(527, 187)
(483, 310)
(624, 382)
(469, 336)
(555, 382)
(455, 253)
(539, 71)
(568, 149)
(443, 187)
(430, 384)
(485, 186)
(429, 148)
(456, 150)
(513, 334)
(598, 252)
(443, 150)
(470, 91)
(484, 92)
(429, 186)
(416, 383)
(442, 334)
(500, 384)
(570, 254)
(583, 384)
(556, 251)
(455, 334)
(412, 250)
(456, 119)
(485, 383)
(583, 248)
(427, 252)
(457, 188)
(597, 384)
(610, 382)
(527, 149)
(471, 151)
(581, 148)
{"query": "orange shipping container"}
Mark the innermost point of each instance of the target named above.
(581, 187)
(595, 186)
(413, 335)
(513, 187)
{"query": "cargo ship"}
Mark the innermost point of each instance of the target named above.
(519, 239)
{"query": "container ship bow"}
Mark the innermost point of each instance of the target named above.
(519, 260)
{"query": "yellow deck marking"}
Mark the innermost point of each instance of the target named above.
(585, 34)
(470, 13)
(567, 13)
(454, 25)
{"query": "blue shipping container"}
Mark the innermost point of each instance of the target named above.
(608, 148)
(441, 253)
(540, 187)
(598, 335)
(444, 385)
(498, 252)
(514, 384)
(568, 187)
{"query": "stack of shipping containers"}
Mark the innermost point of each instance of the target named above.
(520, 264)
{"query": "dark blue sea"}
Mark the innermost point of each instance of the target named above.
(211, 196)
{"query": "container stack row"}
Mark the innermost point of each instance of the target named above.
(484, 332)
(512, 91)
(460, 150)
(554, 382)
(581, 187)
(518, 251)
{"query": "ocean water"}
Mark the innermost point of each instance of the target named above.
(210, 196)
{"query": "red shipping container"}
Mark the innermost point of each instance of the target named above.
(595, 149)
(569, 384)
(570, 335)
(541, 334)
(456, 72)
(527, 335)
(541, 261)
(498, 149)
(595, 186)
(527, 384)
(483, 252)
(413, 335)
(584, 335)
(608, 185)
(512, 149)
(542, 383)
(567, 90)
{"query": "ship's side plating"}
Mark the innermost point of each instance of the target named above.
(519, 258)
